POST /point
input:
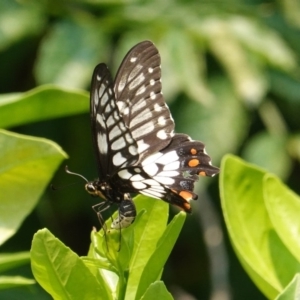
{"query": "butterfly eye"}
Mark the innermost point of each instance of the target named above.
(90, 188)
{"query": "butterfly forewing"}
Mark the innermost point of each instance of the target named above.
(140, 100)
(114, 144)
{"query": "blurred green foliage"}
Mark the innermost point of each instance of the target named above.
(230, 75)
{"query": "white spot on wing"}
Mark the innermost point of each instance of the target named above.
(126, 111)
(151, 182)
(141, 90)
(152, 193)
(111, 120)
(157, 107)
(152, 158)
(124, 174)
(161, 134)
(138, 106)
(153, 96)
(172, 166)
(96, 99)
(150, 70)
(152, 82)
(118, 144)
(138, 185)
(137, 177)
(167, 158)
(168, 174)
(104, 98)
(141, 117)
(120, 105)
(142, 146)
(161, 121)
(143, 130)
(132, 150)
(128, 137)
(134, 72)
(122, 83)
(118, 159)
(115, 132)
(151, 169)
(102, 143)
(100, 121)
(133, 59)
(138, 80)
(164, 180)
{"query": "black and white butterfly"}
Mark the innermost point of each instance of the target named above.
(136, 148)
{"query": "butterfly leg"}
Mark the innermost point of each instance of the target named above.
(99, 208)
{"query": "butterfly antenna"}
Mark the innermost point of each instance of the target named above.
(76, 174)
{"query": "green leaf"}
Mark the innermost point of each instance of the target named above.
(146, 236)
(7, 282)
(59, 270)
(251, 231)
(70, 51)
(292, 290)
(27, 165)
(11, 260)
(153, 269)
(283, 207)
(157, 290)
(42, 103)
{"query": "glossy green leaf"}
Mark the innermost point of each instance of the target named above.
(42, 103)
(27, 165)
(11, 260)
(157, 290)
(251, 231)
(7, 282)
(283, 206)
(153, 269)
(59, 270)
(146, 236)
(292, 290)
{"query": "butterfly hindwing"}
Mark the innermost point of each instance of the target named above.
(170, 174)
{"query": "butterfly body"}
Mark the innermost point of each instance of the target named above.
(136, 148)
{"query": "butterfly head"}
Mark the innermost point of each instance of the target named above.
(95, 188)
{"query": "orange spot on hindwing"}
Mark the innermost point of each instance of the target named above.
(193, 151)
(186, 195)
(193, 162)
(202, 173)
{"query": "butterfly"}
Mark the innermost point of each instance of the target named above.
(133, 135)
